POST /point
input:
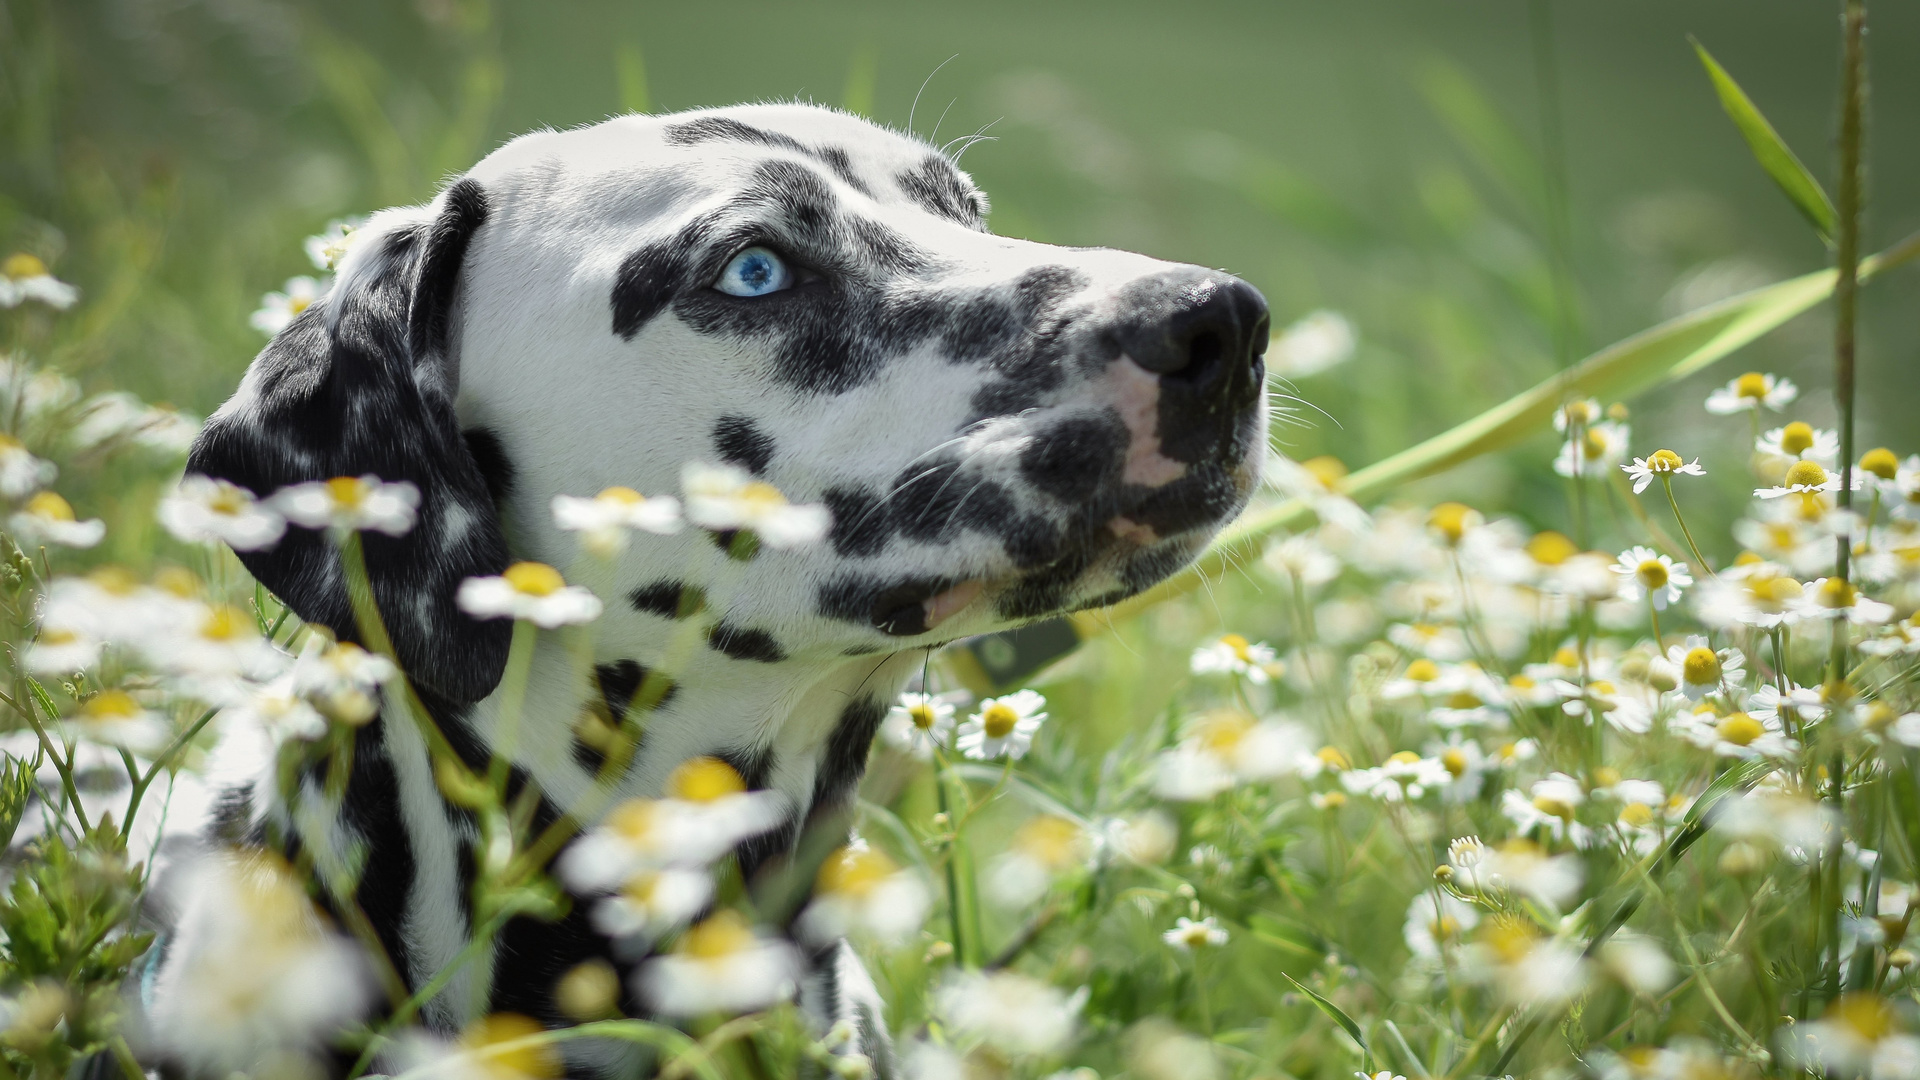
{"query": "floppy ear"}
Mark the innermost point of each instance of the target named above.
(362, 382)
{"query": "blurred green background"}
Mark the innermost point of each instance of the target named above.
(1387, 159)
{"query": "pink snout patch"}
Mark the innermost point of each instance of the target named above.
(1134, 393)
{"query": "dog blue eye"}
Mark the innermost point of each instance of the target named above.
(755, 271)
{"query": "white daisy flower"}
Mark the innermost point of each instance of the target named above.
(1189, 935)
(120, 419)
(342, 679)
(1521, 865)
(277, 309)
(203, 509)
(275, 709)
(59, 651)
(1836, 598)
(350, 503)
(1313, 344)
(48, 519)
(705, 810)
(861, 893)
(1804, 704)
(20, 472)
(1740, 734)
(532, 591)
(1549, 805)
(210, 646)
(1234, 655)
(1645, 572)
(1585, 412)
(1800, 441)
(1596, 452)
(1437, 920)
(1225, 747)
(1003, 725)
(1660, 463)
(24, 277)
(1805, 477)
(720, 966)
(653, 903)
(605, 520)
(1404, 776)
(1750, 392)
(115, 718)
(918, 723)
(1702, 670)
(1016, 1013)
(1042, 849)
(722, 498)
(326, 249)
(1317, 482)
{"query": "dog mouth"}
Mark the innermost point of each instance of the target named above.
(913, 609)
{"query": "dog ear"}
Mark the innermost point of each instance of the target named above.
(363, 382)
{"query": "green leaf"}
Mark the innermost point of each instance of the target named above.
(1338, 1016)
(1672, 350)
(1770, 149)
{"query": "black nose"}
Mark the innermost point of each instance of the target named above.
(1202, 330)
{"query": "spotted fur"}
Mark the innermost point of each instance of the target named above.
(1002, 431)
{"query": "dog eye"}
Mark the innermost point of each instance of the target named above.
(755, 271)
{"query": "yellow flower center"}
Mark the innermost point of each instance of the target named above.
(227, 499)
(1443, 928)
(225, 623)
(762, 496)
(1701, 667)
(1565, 657)
(1776, 590)
(1805, 474)
(534, 578)
(1221, 730)
(112, 706)
(704, 779)
(1327, 469)
(1879, 716)
(922, 715)
(114, 579)
(1664, 461)
(1637, 815)
(177, 580)
(50, 506)
(1593, 445)
(1866, 1013)
(298, 304)
(8, 442)
(1747, 558)
(1452, 520)
(1739, 729)
(1238, 644)
(1334, 758)
(1423, 670)
(1751, 385)
(1652, 573)
(1522, 682)
(1837, 593)
(1797, 437)
(1333, 800)
(1048, 840)
(536, 1061)
(1509, 937)
(1582, 412)
(998, 720)
(346, 491)
(1606, 776)
(1464, 699)
(22, 265)
(1455, 760)
(1405, 757)
(1548, 804)
(1551, 548)
(624, 495)
(854, 873)
(1880, 462)
(633, 820)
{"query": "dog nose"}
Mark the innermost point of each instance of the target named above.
(1200, 330)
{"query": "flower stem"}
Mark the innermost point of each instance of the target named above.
(955, 918)
(1654, 613)
(1846, 245)
(1699, 559)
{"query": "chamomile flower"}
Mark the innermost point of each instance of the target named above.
(532, 591)
(1595, 452)
(20, 472)
(723, 498)
(720, 966)
(1043, 848)
(275, 710)
(277, 309)
(49, 519)
(861, 893)
(1191, 935)
(1234, 655)
(1800, 441)
(342, 679)
(326, 249)
(704, 812)
(1225, 747)
(652, 903)
(1585, 412)
(1003, 725)
(1703, 670)
(1739, 734)
(918, 723)
(1803, 477)
(116, 718)
(1321, 340)
(1660, 463)
(1016, 1013)
(1317, 482)
(1751, 392)
(120, 419)
(1645, 572)
(350, 503)
(1837, 598)
(605, 520)
(1437, 920)
(203, 509)
(1550, 806)
(60, 651)
(24, 277)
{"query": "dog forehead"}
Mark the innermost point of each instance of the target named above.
(711, 151)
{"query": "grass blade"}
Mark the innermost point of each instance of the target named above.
(1770, 149)
(1338, 1016)
(1672, 350)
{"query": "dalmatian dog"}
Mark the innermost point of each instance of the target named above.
(1002, 430)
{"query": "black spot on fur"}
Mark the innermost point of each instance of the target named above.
(841, 163)
(936, 185)
(621, 680)
(860, 521)
(844, 759)
(1072, 459)
(669, 599)
(745, 644)
(496, 469)
(739, 441)
(726, 129)
(650, 278)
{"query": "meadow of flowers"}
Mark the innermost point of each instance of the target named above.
(1604, 794)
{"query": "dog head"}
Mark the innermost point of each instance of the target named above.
(1002, 430)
